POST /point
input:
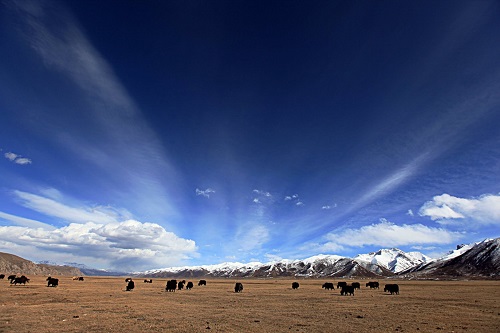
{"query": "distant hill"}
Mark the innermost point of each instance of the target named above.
(12, 264)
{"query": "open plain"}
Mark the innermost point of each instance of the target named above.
(101, 304)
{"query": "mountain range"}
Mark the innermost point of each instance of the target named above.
(477, 260)
(480, 260)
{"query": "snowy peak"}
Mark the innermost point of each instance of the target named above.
(479, 259)
(316, 266)
(394, 259)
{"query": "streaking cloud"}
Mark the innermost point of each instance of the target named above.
(21, 221)
(67, 213)
(124, 141)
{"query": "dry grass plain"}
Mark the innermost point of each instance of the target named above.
(100, 304)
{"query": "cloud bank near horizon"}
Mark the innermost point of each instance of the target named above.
(103, 235)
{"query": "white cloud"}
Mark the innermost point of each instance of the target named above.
(22, 160)
(445, 208)
(68, 213)
(388, 234)
(10, 156)
(204, 193)
(124, 245)
(295, 199)
(18, 159)
(328, 207)
(263, 193)
(410, 212)
(262, 197)
(291, 197)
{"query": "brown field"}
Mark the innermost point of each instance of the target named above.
(100, 304)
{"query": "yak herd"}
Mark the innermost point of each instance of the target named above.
(173, 285)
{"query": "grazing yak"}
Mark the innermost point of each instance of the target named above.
(341, 284)
(295, 285)
(11, 278)
(356, 285)
(23, 279)
(52, 282)
(238, 287)
(180, 285)
(148, 281)
(202, 283)
(171, 285)
(2, 276)
(328, 286)
(392, 288)
(347, 290)
(189, 285)
(130, 285)
(372, 284)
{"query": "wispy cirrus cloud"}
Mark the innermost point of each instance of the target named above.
(67, 213)
(18, 159)
(251, 237)
(392, 181)
(446, 209)
(21, 221)
(116, 137)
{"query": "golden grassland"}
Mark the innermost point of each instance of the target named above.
(101, 304)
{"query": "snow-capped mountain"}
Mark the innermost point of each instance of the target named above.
(475, 260)
(317, 266)
(479, 259)
(394, 259)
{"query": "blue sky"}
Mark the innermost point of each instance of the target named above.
(150, 134)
